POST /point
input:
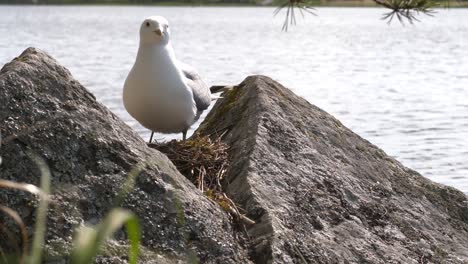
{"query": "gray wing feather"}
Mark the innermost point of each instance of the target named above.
(201, 91)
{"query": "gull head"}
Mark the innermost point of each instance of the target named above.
(155, 30)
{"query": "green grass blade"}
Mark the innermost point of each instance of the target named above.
(88, 241)
(84, 245)
(41, 216)
(134, 235)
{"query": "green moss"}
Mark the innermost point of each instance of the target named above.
(180, 212)
(360, 148)
(451, 200)
(279, 92)
(21, 59)
(229, 100)
(380, 154)
(440, 254)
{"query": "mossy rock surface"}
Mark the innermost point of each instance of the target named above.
(320, 193)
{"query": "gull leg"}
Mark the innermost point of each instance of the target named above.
(151, 137)
(184, 135)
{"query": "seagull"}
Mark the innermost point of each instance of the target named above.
(160, 92)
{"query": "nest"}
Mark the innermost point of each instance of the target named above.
(204, 162)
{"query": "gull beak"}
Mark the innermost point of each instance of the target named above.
(158, 32)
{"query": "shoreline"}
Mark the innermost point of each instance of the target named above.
(346, 4)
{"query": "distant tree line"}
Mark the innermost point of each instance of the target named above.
(124, 1)
(385, 3)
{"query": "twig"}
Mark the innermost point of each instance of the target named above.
(204, 162)
(233, 209)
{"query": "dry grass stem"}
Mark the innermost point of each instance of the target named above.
(24, 236)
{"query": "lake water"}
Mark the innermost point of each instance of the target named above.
(405, 89)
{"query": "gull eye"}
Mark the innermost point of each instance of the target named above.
(147, 24)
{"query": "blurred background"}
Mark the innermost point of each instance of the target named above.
(402, 87)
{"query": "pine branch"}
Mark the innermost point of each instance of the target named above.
(406, 9)
(403, 10)
(290, 15)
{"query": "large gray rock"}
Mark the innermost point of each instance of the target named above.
(318, 192)
(321, 194)
(90, 151)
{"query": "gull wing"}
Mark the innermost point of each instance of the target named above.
(201, 91)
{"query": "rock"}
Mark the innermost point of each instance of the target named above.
(319, 193)
(46, 113)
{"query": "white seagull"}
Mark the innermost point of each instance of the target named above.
(160, 92)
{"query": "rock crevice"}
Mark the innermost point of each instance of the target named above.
(321, 194)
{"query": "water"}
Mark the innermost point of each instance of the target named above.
(404, 89)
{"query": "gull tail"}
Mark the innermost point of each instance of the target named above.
(220, 88)
(215, 97)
